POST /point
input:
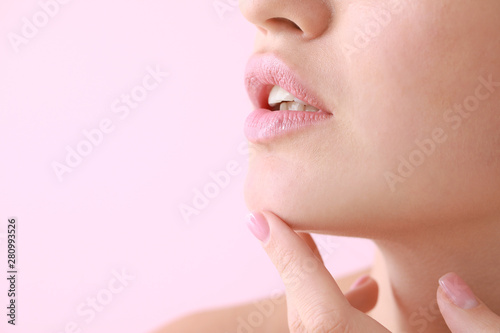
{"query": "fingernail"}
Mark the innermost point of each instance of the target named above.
(258, 225)
(458, 292)
(360, 281)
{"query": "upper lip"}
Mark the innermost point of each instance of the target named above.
(263, 71)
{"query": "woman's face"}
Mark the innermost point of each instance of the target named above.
(414, 87)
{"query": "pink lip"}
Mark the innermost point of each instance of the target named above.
(264, 71)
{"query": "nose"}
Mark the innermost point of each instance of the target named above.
(308, 18)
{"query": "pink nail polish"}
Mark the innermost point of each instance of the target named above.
(360, 281)
(258, 225)
(458, 292)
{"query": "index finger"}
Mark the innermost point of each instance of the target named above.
(311, 243)
(308, 283)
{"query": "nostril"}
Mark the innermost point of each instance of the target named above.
(281, 21)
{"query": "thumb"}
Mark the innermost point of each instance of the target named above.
(462, 310)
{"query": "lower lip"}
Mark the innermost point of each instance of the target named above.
(264, 125)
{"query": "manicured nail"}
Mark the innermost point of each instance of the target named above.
(360, 281)
(458, 292)
(259, 227)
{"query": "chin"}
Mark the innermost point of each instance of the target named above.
(312, 198)
(302, 204)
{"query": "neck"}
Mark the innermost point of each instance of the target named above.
(408, 269)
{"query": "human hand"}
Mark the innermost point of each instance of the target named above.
(462, 311)
(315, 303)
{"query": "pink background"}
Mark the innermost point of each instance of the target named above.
(119, 208)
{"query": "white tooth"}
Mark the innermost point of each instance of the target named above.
(287, 101)
(295, 99)
(296, 106)
(278, 95)
(311, 108)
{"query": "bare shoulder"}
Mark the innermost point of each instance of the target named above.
(265, 315)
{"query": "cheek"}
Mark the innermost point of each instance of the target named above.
(407, 72)
(403, 81)
(381, 100)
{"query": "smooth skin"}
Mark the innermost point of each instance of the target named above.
(315, 303)
(362, 296)
(410, 159)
